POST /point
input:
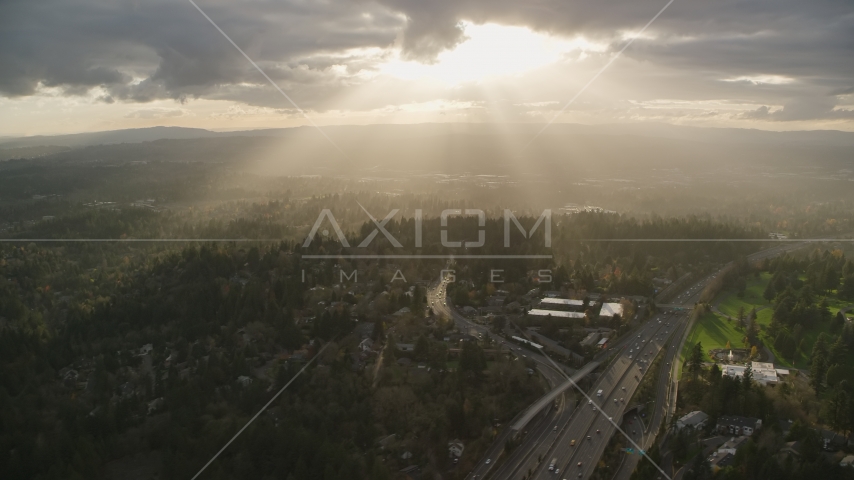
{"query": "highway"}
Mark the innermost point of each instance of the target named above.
(551, 434)
(593, 424)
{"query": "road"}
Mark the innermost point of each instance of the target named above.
(667, 386)
(618, 382)
(559, 411)
(592, 426)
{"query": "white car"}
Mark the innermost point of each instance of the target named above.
(488, 461)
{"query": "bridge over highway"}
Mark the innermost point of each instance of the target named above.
(550, 397)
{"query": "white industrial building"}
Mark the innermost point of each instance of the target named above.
(763, 372)
(610, 309)
(538, 312)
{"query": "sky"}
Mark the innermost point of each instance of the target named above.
(70, 66)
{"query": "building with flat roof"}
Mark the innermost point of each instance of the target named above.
(610, 309)
(550, 303)
(538, 312)
(762, 372)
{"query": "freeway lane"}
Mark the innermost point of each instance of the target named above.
(667, 388)
(617, 383)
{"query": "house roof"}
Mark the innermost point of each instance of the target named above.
(721, 460)
(793, 448)
(694, 418)
(738, 421)
(734, 443)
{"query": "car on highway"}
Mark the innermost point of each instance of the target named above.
(572, 443)
(579, 464)
(557, 470)
(488, 461)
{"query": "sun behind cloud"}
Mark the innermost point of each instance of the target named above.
(490, 51)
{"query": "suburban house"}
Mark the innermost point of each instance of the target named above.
(364, 329)
(455, 448)
(790, 450)
(719, 460)
(695, 420)
(737, 425)
(732, 445)
(831, 441)
(366, 345)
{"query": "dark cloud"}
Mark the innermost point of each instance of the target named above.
(140, 51)
(799, 109)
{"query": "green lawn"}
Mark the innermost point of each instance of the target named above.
(713, 331)
(730, 303)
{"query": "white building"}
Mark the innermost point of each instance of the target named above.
(610, 309)
(538, 312)
(762, 372)
(561, 303)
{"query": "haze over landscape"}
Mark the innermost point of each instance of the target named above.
(412, 240)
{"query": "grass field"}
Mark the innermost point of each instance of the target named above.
(713, 331)
(729, 304)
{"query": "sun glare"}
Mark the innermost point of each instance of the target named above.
(491, 50)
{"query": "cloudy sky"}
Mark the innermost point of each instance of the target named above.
(83, 65)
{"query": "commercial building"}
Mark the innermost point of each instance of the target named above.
(610, 309)
(538, 312)
(762, 372)
(563, 304)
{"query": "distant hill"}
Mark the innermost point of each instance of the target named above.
(134, 135)
(656, 130)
